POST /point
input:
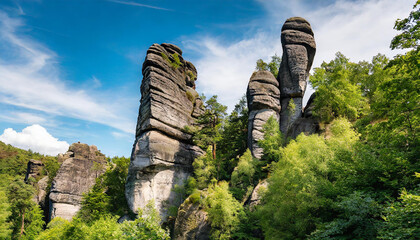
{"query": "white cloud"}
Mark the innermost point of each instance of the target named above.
(23, 117)
(225, 69)
(359, 29)
(36, 138)
(29, 78)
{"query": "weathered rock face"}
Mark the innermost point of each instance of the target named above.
(299, 48)
(307, 124)
(256, 195)
(76, 176)
(163, 153)
(192, 222)
(33, 170)
(263, 97)
(33, 177)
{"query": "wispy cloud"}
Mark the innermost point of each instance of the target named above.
(139, 5)
(23, 117)
(359, 29)
(30, 78)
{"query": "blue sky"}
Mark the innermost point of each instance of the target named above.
(72, 67)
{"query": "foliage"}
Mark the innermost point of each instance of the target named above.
(301, 185)
(146, 226)
(36, 223)
(107, 196)
(191, 75)
(223, 210)
(271, 142)
(95, 203)
(402, 218)
(242, 180)
(5, 226)
(358, 218)
(20, 199)
(410, 27)
(233, 142)
(174, 61)
(337, 94)
(273, 66)
(204, 169)
(210, 123)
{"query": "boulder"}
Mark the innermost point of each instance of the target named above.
(163, 151)
(263, 97)
(299, 48)
(77, 174)
(192, 222)
(256, 195)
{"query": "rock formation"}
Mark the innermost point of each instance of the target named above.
(263, 97)
(34, 177)
(77, 174)
(307, 124)
(282, 97)
(162, 154)
(256, 195)
(192, 222)
(299, 47)
(33, 170)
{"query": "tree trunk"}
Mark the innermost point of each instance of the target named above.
(22, 227)
(213, 146)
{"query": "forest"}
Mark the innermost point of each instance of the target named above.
(358, 179)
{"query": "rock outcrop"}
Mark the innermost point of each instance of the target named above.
(307, 124)
(76, 176)
(163, 152)
(33, 170)
(263, 97)
(256, 194)
(34, 177)
(192, 222)
(299, 48)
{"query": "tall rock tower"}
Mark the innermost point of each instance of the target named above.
(299, 47)
(163, 152)
(263, 97)
(282, 97)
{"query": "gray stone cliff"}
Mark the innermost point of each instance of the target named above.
(82, 164)
(163, 152)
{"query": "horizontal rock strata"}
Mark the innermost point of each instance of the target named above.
(163, 151)
(299, 49)
(76, 176)
(263, 97)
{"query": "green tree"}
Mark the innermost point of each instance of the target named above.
(410, 27)
(273, 66)
(204, 170)
(358, 218)
(234, 136)
(402, 218)
(223, 209)
(302, 183)
(95, 203)
(5, 226)
(337, 94)
(146, 226)
(210, 123)
(20, 198)
(242, 180)
(36, 223)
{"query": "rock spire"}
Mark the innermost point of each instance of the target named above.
(163, 152)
